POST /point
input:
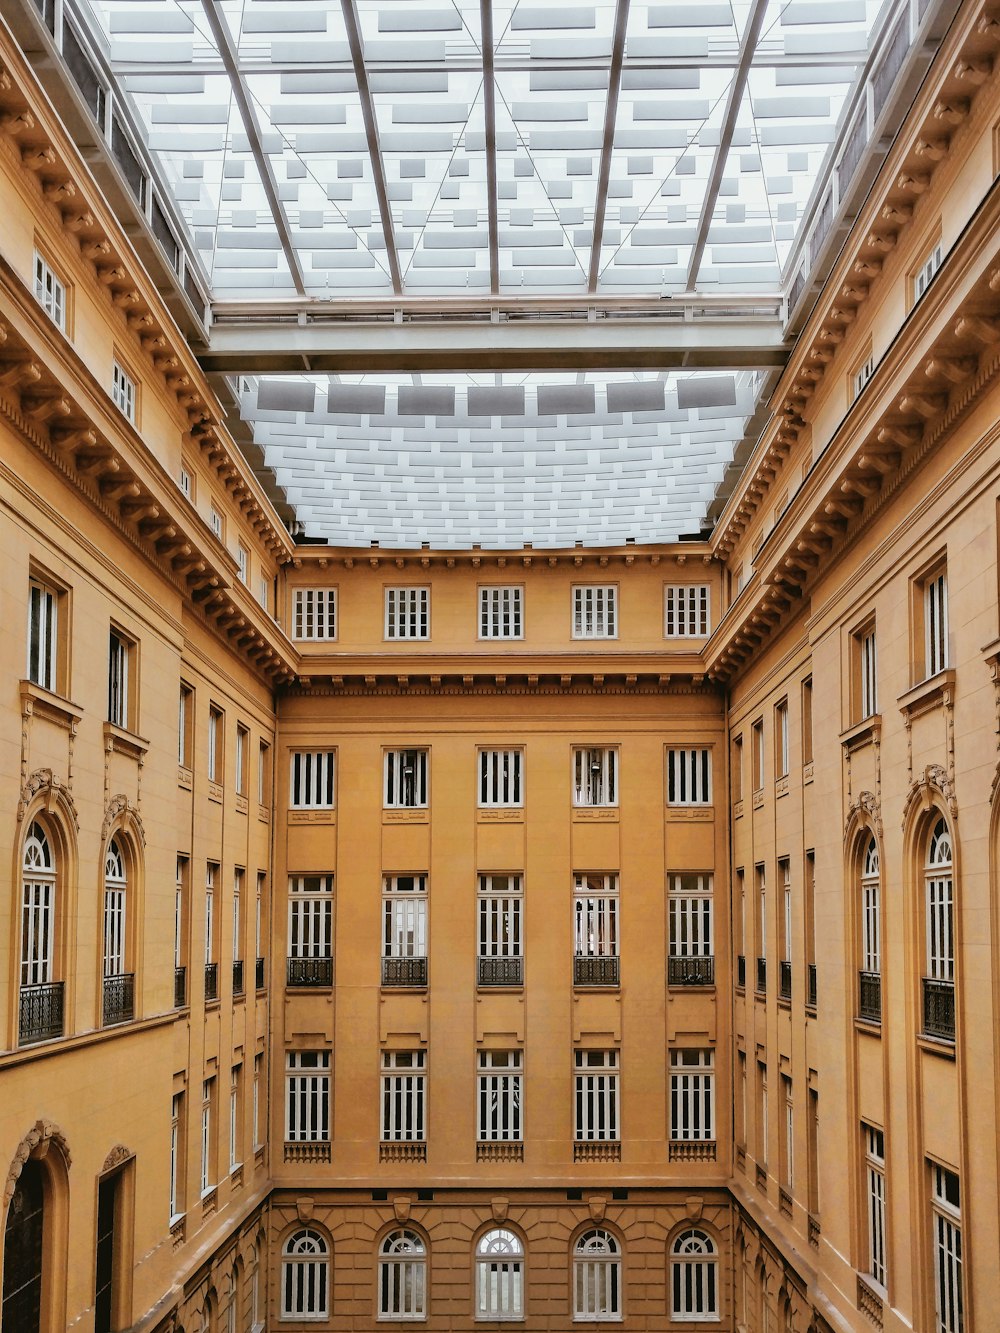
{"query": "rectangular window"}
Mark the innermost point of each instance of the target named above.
(690, 908)
(874, 1142)
(243, 563)
(242, 748)
(123, 392)
(404, 916)
(500, 904)
(43, 622)
(762, 1134)
(263, 590)
(595, 777)
(405, 779)
(935, 599)
(215, 741)
(692, 1084)
(758, 755)
(211, 879)
(686, 614)
(215, 518)
(762, 913)
(596, 1096)
(180, 913)
(689, 777)
(258, 1099)
(263, 773)
(924, 274)
(310, 916)
(781, 739)
(499, 1097)
(239, 875)
(186, 484)
(37, 928)
(862, 375)
(50, 292)
(740, 1106)
(785, 877)
(868, 671)
(737, 769)
(119, 652)
(176, 1155)
(788, 1136)
(595, 612)
(235, 1156)
(314, 613)
(407, 613)
(207, 1103)
(307, 1097)
(501, 614)
(595, 916)
(185, 725)
(311, 785)
(949, 1303)
(403, 1096)
(807, 720)
(501, 779)
(259, 923)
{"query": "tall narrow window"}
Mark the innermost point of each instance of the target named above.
(180, 923)
(235, 1137)
(499, 1118)
(761, 929)
(239, 876)
(310, 930)
(758, 755)
(500, 957)
(939, 982)
(314, 613)
(597, 1276)
(407, 613)
(405, 779)
(41, 997)
(403, 1091)
(214, 745)
(501, 613)
(787, 1163)
(812, 1147)
(176, 1156)
(870, 981)
(215, 519)
(185, 482)
(949, 1302)
(809, 919)
(595, 930)
(595, 612)
(402, 1276)
(785, 961)
(686, 611)
(781, 739)
(868, 664)
(736, 768)
(501, 779)
(807, 720)
(123, 392)
(874, 1142)
(118, 671)
(311, 781)
(242, 563)
(211, 956)
(596, 1096)
(50, 292)
(694, 1276)
(689, 777)
(24, 1261)
(499, 1275)
(207, 1145)
(307, 1097)
(595, 777)
(692, 1086)
(305, 1276)
(263, 773)
(691, 949)
(118, 984)
(242, 751)
(935, 600)
(42, 630)
(185, 726)
(258, 1100)
(404, 930)
(762, 1125)
(924, 274)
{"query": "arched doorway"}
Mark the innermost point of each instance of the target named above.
(22, 1252)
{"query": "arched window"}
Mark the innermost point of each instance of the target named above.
(499, 1276)
(597, 1276)
(694, 1276)
(119, 996)
(305, 1276)
(41, 1007)
(402, 1276)
(870, 979)
(939, 982)
(22, 1251)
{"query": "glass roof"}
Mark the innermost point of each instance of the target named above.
(381, 147)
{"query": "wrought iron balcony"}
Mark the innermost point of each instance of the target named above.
(180, 987)
(603, 970)
(939, 1009)
(785, 979)
(496, 971)
(762, 975)
(870, 997)
(404, 971)
(211, 981)
(741, 970)
(306, 972)
(811, 982)
(691, 970)
(237, 976)
(260, 980)
(119, 999)
(41, 1012)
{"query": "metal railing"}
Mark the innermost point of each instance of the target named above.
(180, 987)
(762, 975)
(260, 980)
(305, 972)
(211, 981)
(501, 971)
(939, 1008)
(237, 976)
(691, 970)
(41, 1012)
(404, 971)
(741, 970)
(785, 979)
(811, 986)
(119, 999)
(600, 971)
(870, 997)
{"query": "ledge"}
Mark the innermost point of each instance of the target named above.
(496, 1150)
(504, 815)
(421, 816)
(758, 799)
(311, 817)
(737, 809)
(865, 732)
(402, 1151)
(185, 778)
(264, 814)
(599, 815)
(242, 806)
(691, 1150)
(215, 792)
(120, 741)
(597, 1150)
(684, 813)
(309, 1150)
(938, 1046)
(57, 1045)
(807, 773)
(54, 707)
(930, 693)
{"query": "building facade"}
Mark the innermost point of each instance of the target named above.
(572, 936)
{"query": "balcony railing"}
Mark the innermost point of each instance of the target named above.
(603, 970)
(119, 999)
(762, 975)
(939, 1009)
(691, 970)
(870, 997)
(404, 971)
(501, 971)
(180, 987)
(211, 981)
(237, 976)
(811, 984)
(41, 1015)
(306, 972)
(260, 980)
(785, 979)
(741, 970)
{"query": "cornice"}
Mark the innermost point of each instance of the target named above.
(685, 558)
(431, 684)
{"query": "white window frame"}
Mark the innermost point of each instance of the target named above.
(215, 519)
(258, 1070)
(242, 746)
(123, 391)
(185, 483)
(501, 779)
(595, 611)
(115, 909)
(595, 776)
(690, 910)
(595, 916)
(692, 1095)
(862, 375)
(402, 1277)
(949, 1296)
(407, 613)
(501, 611)
(310, 916)
(499, 1275)
(312, 779)
(939, 898)
(234, 1118)
(689, 776)
(242, 563)
(597, 1277)
(185, 701)
(43, 629)
(781, 738)
(694, 1277)
(499, 1103)
(595, 1085)
(207, 1095)
(404, 1097)
(935, 610)
(307, 1097)
(176, 1114)
(922, 277)
(314, 614)
(404, 916)
(38, 908)
(216, 727)
(211, 878)
(785, 871)
(406, 785)
(239, 878)
(874, 1147)
(50, 291)
(686, 611)
(305, 1276)
(119, 652)
(871, 931)
(500, 916)
(868, 663)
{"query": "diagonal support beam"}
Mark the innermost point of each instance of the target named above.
(748, 46)
(230, 58)
(490, 118)
(610, 115)
(353, 26)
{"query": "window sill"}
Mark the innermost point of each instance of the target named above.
(940, 1046)
(781, 786)
(930, 693)
(263, 814)
(501, 815)
(311, 817)
(758, 799)
(242, 806)
(597, 1150)
(420, 816)
(35, 699)
(121, 741)
(686, 812)
(807, 773)
(215, 792)
(598, 814)
(737, 809)
(185, 778)
(868, 730)
(402, 1150)
(499, 1150)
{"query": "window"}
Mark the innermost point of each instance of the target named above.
(871, 932)
(185, 725)
(499, 1275)
(501, 779)
(310, 916)
(239, 875)
(690, 909)
(402, 1276)
(176, 1156)
(307, 1101)
(211, 876)
(787, 1163)
(263, 590)
(595, 612)
(50, 292)
(242, 748)
(758, 755)
(867, 672)
(404, 929)
(499, 1097)
(115, 898)
(180, 913)
(258, 1079)
(597, 1276)
(500, 931)
(234, 1117)
(595, 916)
(243, 563)
(740, 1102)
(736, 768)
(761, 923)
(314, 613)
(215, 519)
(939, 982)
(311, 784)
(186, 484)
(692, 1081)
(596, 1096)
(785, 877)
(689, 777)
(263, 773)
(812, 1152)
(874, 1141)
(762, 1126)
(501, 614)
(949, 1304)
(259, 925)
(686, 611)
(781, 739)
(694, 1277)
(123, 392)
(43, 601)
(207, 1099)
(595, 777)
(119, 653)
(305, 1276)
(38, 909)
(935, 605)
(406, 779)
(403, 1091)
(807, 720)
(924, 274)
(214, 745)
(861, 375)
(407, 613)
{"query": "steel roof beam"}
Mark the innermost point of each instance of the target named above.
(610, 117)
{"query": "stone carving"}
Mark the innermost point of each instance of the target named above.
(865, 810)
(35, 1143)
(304, 1208)
(121, 808)
(693, 1206)
(118, 1155)
(498, 1208)
(43, 780)
(934, 783)
(596, 1205)
(401, 1207)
